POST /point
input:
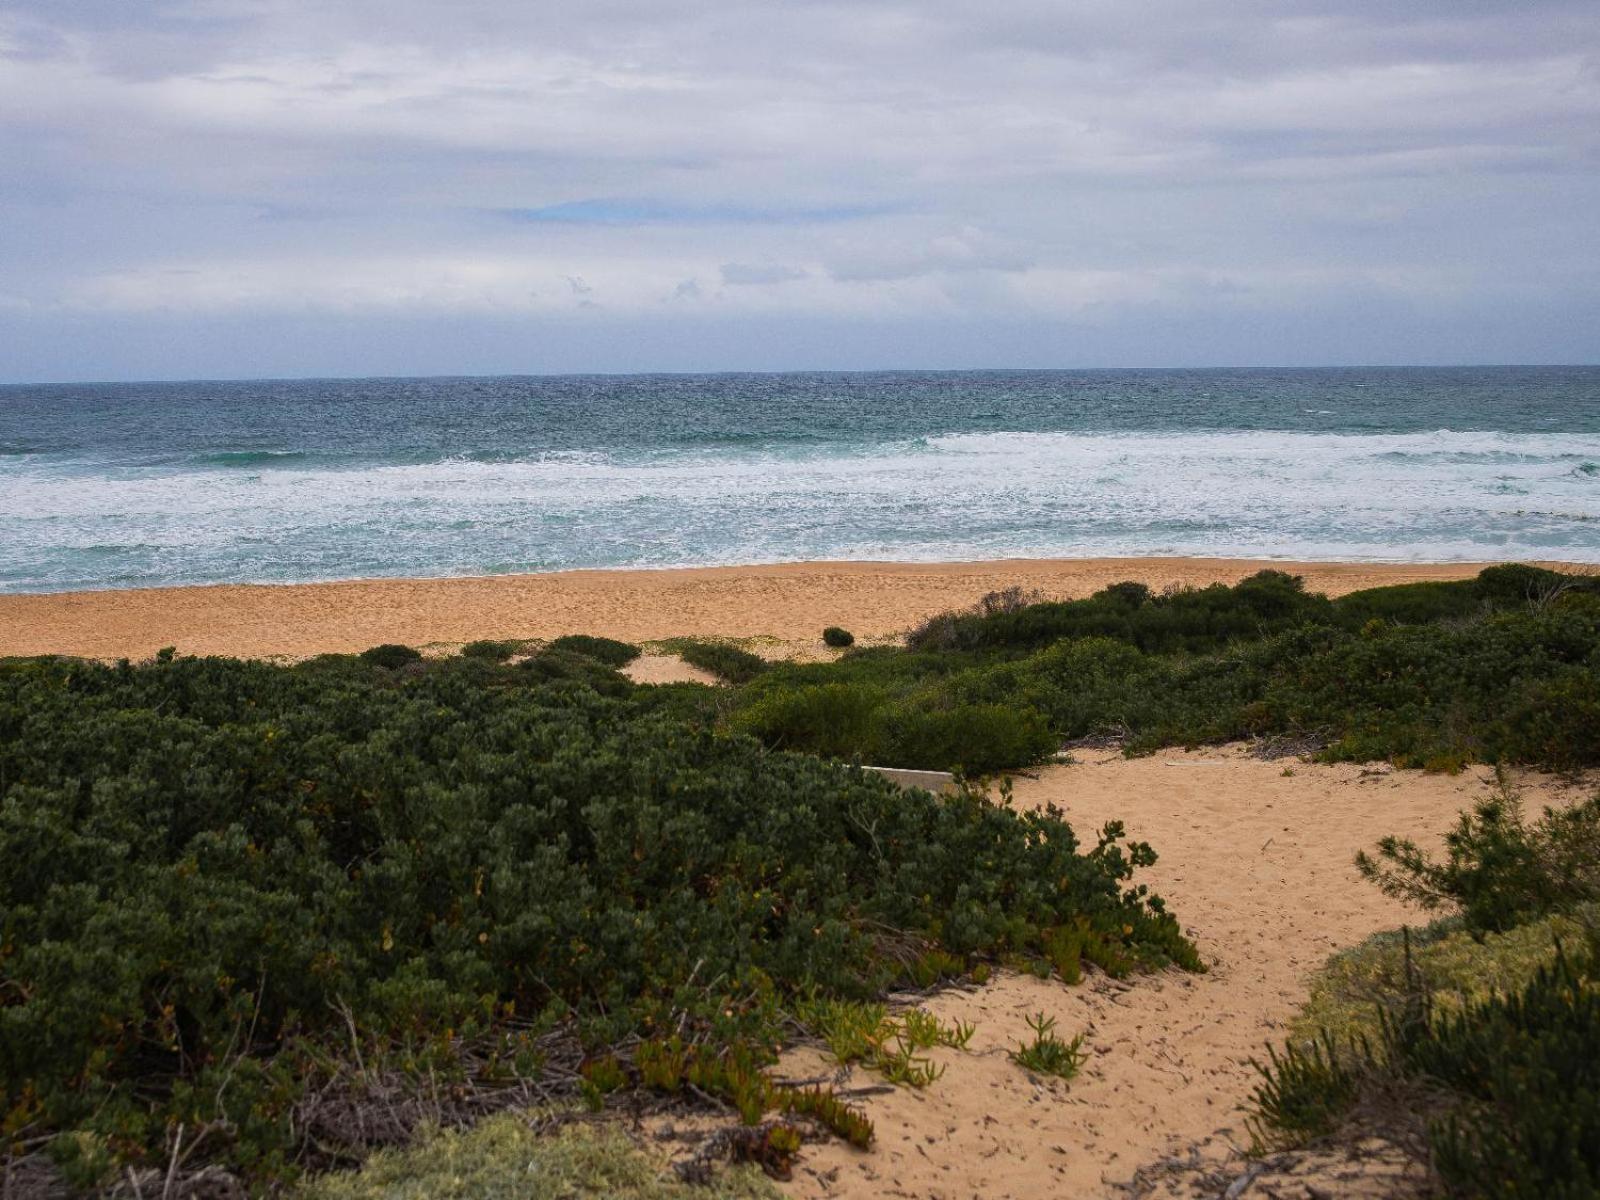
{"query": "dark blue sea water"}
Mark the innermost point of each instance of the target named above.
(124, 485)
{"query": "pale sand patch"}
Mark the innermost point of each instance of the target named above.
(666, 668)
(1257, 866)
(790, 602)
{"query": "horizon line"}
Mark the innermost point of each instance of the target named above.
(776, 371)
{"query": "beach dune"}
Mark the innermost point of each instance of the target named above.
(789, 602)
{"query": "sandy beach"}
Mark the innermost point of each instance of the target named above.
(1258, 863)
(789, 603)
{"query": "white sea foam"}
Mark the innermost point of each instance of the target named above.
(1442, 495)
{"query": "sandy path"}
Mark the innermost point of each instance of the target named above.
(791, 602)
(1257, 864)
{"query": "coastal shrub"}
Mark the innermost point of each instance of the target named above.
(1483, 1046)
(1187, 620)
(1506, 1089)
(974, 739)
(492, 651)
(390, 656)
(225, 878)
(1412, 603)
(1511, 584)
(1499, 870)
(838, 638)
(555, 665)
(1403, 675)
(727, 662)
(607, 650)
(1454, 965)
(833, 720)
(1526, 1069)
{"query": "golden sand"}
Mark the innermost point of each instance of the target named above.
(1257, 863)
(790, 602)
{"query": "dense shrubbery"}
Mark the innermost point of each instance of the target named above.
(1505, 1081)
(838, 638)
(865, 724)
(1505, 667)
(222, 876)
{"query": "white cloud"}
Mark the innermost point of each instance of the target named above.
(864, 158)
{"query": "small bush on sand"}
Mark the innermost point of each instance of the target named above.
(727, 662)
(974, 739)
(838, 638)
(834, 720)
(1047, 1054)
(607, 650)
(1454, 966)
(600, 648)
(390, 656)
(1499, 870)
(1506, 1090)
(491, 651)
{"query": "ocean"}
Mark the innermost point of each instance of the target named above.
(136, 485)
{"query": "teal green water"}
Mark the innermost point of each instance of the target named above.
(145, 484)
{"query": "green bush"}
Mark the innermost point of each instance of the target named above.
(390, 656)
(975, 739)
(1499, 871)
(1431, 676)
(1454, 965)
(493, 651)
(1181, 621)
(554, 665)
(1411, 603)
(725, 661)
(1526, 1069)
(838, 638)
(1491, 1051)
(1508, 1087)
(504, 1159)
(834, 720)
(607, 650)
(223, 876)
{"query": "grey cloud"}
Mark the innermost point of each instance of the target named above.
(930, 161)
(737, 274)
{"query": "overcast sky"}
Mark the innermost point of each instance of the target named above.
(303, 187)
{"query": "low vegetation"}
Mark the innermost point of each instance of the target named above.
(1501, 668)
(1047, 1054)
(512, 1158)
(259, 919)
(604, 650)
(493, 650)
(1478, 1042)
(730, 663)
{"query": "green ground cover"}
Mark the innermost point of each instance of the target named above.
(1501, 668)
(242, 901)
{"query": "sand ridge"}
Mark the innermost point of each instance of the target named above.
(791, 602)
(1256, 861)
